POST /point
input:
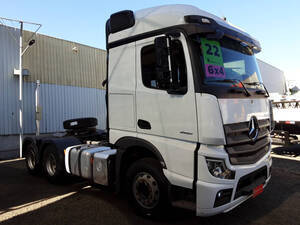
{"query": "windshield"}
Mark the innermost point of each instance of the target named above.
(226, 60)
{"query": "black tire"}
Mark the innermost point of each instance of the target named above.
(80, 123)
(53, 166)
(32, 159)
(148, 188)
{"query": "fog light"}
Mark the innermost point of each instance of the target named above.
(223, 197)
(218, 169)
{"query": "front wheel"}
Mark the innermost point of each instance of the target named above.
(147, 188)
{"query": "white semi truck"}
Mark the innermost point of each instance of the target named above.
(188, 118)
(286, 107)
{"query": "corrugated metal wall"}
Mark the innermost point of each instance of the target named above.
(84, 102)
(61, 62)
(9, 95)
(70, 83)
(60, 103)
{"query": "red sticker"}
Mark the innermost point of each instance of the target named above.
(258, 190)
(214, 71)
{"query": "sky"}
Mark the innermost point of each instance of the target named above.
(275, 23)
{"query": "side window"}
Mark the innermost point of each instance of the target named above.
(151, 78)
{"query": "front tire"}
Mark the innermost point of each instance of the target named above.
(147, 188)
(52, 165)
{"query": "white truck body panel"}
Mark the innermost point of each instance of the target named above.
(290, 114)
(177, 155)
(165, 16)
(121, 92)
(208, 186)
(273, 78)
(209, 120)
(240, 110)
(275, 82)
(170, 116)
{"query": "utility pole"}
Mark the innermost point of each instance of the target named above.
(38, 111)
(20, 72)
(21, 91)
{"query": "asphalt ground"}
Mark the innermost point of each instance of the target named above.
(26, 199)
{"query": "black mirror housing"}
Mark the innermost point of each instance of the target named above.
(161, 52)
(162, 61)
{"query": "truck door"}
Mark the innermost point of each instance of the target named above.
(161, 111)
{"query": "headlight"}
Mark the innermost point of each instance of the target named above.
(218, 169)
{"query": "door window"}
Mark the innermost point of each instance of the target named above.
(178, 76)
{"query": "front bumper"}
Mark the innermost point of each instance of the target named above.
(208, 186)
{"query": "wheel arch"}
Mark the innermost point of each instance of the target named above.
(131, 145)
(131, 149)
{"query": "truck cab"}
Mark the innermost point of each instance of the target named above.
(186, 83)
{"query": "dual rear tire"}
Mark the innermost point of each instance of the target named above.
(32, 159)
(51, 164)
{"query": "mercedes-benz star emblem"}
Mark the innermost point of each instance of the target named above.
(253, 128)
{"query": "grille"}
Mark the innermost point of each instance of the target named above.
(240, 148)
(247, 183)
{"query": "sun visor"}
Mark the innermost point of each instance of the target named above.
(208, 25)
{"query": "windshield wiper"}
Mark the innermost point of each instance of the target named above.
(259, 91)
(234, 82)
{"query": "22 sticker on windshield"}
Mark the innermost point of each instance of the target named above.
(213, 60)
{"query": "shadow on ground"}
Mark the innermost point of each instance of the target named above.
(17, 187)
(293, 150)
(279, 204)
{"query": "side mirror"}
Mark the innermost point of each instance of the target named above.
(163, 69)
(161, 52)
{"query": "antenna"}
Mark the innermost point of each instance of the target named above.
(222, 15)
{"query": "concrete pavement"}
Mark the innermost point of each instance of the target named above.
(26, 199)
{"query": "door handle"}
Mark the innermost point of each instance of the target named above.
(143, 124)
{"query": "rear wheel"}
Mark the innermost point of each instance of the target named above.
(32, 160)
(52, 165)
(147, 188)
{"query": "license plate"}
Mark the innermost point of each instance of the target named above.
(258, 190)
